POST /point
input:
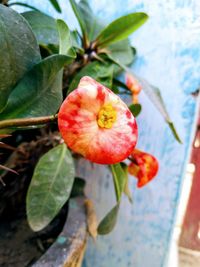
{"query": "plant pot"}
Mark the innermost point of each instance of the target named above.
(69, 247)
(61, 243)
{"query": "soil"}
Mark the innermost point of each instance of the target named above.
(19, 245)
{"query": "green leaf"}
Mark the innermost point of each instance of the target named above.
(173, 129)
(50, 187)
(19, 51)
(76, 41)
(120, 28)
(120, 65)
(121, 52)
(120, 84)
(127, 191)
(56, 5)
(135, 109)
(43, 26)
(155, 96)
(109, 221)
(78, 187)
(89, 23)
(103, 73)
(80, 19)
(119, 178)
(65, 42)
(23, 4)
(39, 93)
(115, 89)
(93, 26)
(48, 50)
(134, 51)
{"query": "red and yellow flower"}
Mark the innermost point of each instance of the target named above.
(97, 124)
(133, 86)
(143, 166)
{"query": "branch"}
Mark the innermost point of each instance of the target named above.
(27, 121)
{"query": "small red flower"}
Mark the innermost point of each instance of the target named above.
(143, 166)
(97, 124)
(133, 86)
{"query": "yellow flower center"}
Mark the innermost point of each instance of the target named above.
(106, 116)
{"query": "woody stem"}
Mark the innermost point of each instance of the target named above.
(27, 121)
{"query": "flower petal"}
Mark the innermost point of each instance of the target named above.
(77, 121)
(143, 166)
(132, 84)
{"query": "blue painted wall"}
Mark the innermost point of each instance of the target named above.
(169, 57)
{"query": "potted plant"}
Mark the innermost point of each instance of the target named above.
(61, 99)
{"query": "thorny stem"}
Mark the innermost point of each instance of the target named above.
(27, 121)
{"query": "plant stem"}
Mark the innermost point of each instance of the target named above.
(27, 121)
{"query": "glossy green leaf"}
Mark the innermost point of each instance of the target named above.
(119, 179)
(49, 49)
(23, 4)
(121, 28)
(115, 89)
(65, 43)
(109, 221)
(43, 26)
(174, 131)
(127, 191)
(79, 17)
(120, 65)
(135, 109)
(90, 25)
(121, 52)
(76, 42)
(120, 84)
(134, 51)
(56, 5)
(103, 73)
(78, 187)
(19, 51)
(155, 96)
(50, 186)
(93, 26)
(39, 93)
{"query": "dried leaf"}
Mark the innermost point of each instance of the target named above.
(91, 218)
